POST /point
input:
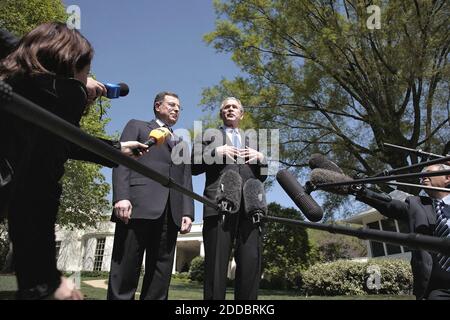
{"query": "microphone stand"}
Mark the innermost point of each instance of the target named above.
(418, 152)
(37, 115)
(411, 240)
(379, 179)
(419, 186)
(413, 166)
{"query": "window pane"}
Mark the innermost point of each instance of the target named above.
(99, 250)
(58, 249)
(377, 248)
(404, 228)
(389, 225)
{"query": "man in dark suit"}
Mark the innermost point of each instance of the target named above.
(148, 216)
(232, 152)
(429, 216)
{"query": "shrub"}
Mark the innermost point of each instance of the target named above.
(181, 276)
(197, 269)
(93, 274)
(345, 277)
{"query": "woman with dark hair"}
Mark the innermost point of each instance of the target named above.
(49, 66)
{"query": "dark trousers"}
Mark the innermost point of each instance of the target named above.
(218, 237)
(157, 238)
(439, 294)
(32, 232)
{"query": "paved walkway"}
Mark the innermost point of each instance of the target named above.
(101, 284)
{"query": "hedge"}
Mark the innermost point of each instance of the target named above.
(344, 277)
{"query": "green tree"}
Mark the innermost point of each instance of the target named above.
(327, 247)
(332, 85)
(85, 190)
(286, 249)
(21, 16)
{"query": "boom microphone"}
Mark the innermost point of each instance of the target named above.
(297, 193)
(323, 176)
(255, 201)
(229, 192)
(318, 160)
(114, 91)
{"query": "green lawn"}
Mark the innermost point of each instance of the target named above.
(185, 290)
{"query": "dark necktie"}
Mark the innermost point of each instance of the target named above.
(171, 140)
(442, 230)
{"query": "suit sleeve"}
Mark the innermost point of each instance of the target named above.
(78, 153)
(121, 174)
(394, 209)
(198, 166)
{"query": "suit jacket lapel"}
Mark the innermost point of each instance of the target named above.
(428, 208)
(227, 140)
(154, 125)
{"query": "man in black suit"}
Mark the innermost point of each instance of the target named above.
(431, 272)
(232, 152)
(148, 216)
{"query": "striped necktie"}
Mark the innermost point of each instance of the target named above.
(442, 230)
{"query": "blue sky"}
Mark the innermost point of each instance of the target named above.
(155, 45)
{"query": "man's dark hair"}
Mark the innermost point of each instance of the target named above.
(160, 98)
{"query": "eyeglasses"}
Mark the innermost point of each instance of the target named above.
(172, 106)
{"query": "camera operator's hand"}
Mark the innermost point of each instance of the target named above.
(133, 149)
(122, 210)
(95, 90)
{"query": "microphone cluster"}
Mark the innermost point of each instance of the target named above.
(230, 193)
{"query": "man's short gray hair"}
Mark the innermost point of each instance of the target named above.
(441, 166)
(232, 98)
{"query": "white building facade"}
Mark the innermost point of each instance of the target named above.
(372, 219)
(91, 249)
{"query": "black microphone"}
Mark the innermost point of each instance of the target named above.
(297, 193)
(7, 43)
(322, 176)
(255, 201)
(114, 91)
(229, 192)
(318, 160)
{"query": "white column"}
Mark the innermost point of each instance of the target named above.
(202, 249)
(89, 252)
(174, 261)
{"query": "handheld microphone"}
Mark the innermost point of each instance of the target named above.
(255, 201)
(322, 176)
(318, 160)
(229, 192)
(114, 91)
(156, 136)
(297, 193)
